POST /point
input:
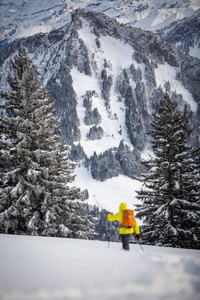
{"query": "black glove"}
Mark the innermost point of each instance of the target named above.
(137, 237)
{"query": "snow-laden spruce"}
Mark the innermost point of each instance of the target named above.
(35, 197)
(171, 193)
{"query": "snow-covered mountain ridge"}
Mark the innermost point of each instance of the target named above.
(105, 78)
(24, 18)
(184, 34)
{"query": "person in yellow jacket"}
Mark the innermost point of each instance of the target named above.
(124, 232)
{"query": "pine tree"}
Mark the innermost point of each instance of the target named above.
(171, 194)
(36, 196)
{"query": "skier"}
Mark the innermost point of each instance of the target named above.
(124, 231)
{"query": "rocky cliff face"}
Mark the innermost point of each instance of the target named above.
(105, 79)
(184, 34)
(23, 18)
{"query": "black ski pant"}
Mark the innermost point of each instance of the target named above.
(125, 241)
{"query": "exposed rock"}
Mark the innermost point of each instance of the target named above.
(184, 34)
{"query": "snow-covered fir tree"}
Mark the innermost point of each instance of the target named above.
(171, 192)
(36, 193)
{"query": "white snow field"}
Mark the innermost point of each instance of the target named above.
(43, 268)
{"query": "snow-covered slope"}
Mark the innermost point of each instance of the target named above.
(42, 268)
(184, 34)
(105, 78)
(110, 193)
(24, 18)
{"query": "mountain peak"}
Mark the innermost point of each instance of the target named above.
(24, 18)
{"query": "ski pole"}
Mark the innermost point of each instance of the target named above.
(108, 234)
(141, 246)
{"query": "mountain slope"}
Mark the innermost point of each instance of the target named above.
(25, 18)
(184, 34)
(105, 78)
(43, 268)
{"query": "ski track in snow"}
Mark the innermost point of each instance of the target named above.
(42, 268)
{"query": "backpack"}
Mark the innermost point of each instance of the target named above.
(128, 218)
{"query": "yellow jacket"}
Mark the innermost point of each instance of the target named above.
(119, 216)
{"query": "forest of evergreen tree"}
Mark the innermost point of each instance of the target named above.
(36, 197)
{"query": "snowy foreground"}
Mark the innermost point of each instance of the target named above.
(34, 268)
